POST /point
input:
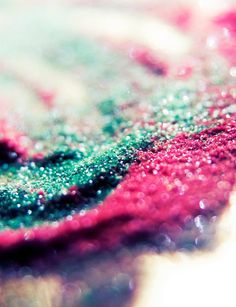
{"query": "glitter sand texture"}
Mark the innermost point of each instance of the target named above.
(107, 142)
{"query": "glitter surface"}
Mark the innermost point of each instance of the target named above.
(109, 141)
(153, 143)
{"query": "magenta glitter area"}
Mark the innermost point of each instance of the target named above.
(12, 144)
